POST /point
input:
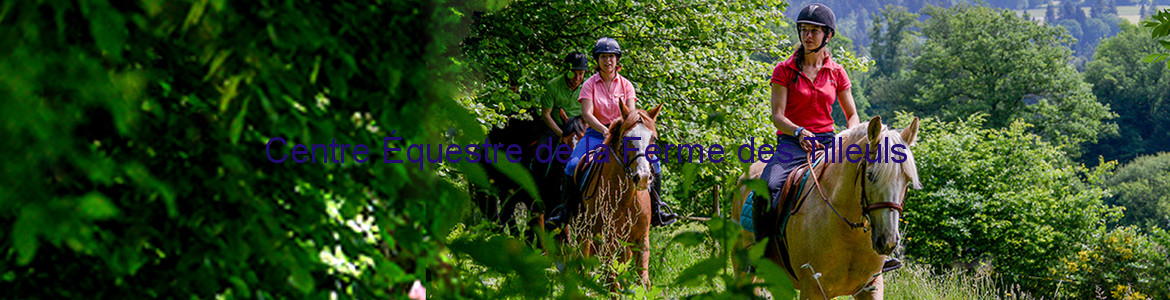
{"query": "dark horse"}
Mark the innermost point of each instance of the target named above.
(500, 200)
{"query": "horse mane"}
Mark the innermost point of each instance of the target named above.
(618, 127)
(883, 171)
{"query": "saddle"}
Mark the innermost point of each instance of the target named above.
(772, 219)
(583, 174)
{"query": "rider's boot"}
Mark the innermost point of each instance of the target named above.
(570, 198)
(660, 214)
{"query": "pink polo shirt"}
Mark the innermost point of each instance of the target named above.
(810, 103)
(605, 101)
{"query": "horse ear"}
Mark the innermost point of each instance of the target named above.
(875, 130)
(910, 133)
(625, 110)
(654, 112)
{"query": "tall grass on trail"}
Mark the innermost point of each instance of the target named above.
(919, 282)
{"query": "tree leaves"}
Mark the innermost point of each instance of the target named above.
(962, 72)
(132, 156)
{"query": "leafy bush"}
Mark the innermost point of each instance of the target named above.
(133, 141)
(1123, 261)
(999, 195)
(1140, 187)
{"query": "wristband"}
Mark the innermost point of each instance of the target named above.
(797, 132)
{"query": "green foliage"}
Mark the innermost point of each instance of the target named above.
(1124, 261)
(1137, 91)
(1140, 187)
(1160, 23)
(893, 37)
(978, 59)
(1004, 195)
(133, 135)
(694, 57)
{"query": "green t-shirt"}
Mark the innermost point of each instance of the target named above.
(557, 95)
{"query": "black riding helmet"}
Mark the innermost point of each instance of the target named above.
(606, 45)
(577, 61)
(820, 15)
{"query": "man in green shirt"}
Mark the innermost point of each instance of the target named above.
(563, 91)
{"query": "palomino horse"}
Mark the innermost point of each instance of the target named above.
(857, 210)
(615, 199)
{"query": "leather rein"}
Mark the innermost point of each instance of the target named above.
(865, 209)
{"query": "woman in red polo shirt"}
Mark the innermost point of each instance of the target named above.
(804, 88)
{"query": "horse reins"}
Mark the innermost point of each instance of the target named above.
(864, 208)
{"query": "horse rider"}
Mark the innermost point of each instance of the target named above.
(804, 88)
(562, 91)
(599, 98)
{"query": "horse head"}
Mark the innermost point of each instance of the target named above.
(629, 136)
(572, 131)
(880, 181)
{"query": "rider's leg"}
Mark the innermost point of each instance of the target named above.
(570, 194)
(660, 213)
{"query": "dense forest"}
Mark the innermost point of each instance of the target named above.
(140, 142)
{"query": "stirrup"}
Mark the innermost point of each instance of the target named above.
(892, 263)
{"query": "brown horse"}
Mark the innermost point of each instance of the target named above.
(858, 210)
(615, 199)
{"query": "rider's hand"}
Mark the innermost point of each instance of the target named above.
(805, 144)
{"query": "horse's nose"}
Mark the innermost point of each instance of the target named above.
(643, 181)
(884, 245)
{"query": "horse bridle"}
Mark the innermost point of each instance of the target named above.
(630, 172)
(865, 209)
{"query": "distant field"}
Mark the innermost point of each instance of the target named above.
(1125, 12)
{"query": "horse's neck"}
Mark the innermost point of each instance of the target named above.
(839, 183)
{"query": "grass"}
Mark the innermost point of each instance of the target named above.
(669, 260)
(919, 282)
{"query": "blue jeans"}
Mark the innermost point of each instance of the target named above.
(776, 172)
(593, 140)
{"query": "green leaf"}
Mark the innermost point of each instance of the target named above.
(238, 122)
(301, 279)
(1151, 58)
(108, 28)
(240, 285)
(776, 278)
(757, 250)
(518, 174)
(24, 234)
(708, 267)
(688, 175)
(689, 238)
(96, 206)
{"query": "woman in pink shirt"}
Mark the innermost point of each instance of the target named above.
(600, 98)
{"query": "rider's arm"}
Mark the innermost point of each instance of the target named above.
(546, 115)
(587, 114)
(848, 107)
(779, 102)
(631, 96)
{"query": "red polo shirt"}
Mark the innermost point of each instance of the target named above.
(810, 104)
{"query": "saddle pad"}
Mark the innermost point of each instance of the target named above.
(745, 217)
(585, 168)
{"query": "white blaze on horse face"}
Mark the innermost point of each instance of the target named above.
(641, 165)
